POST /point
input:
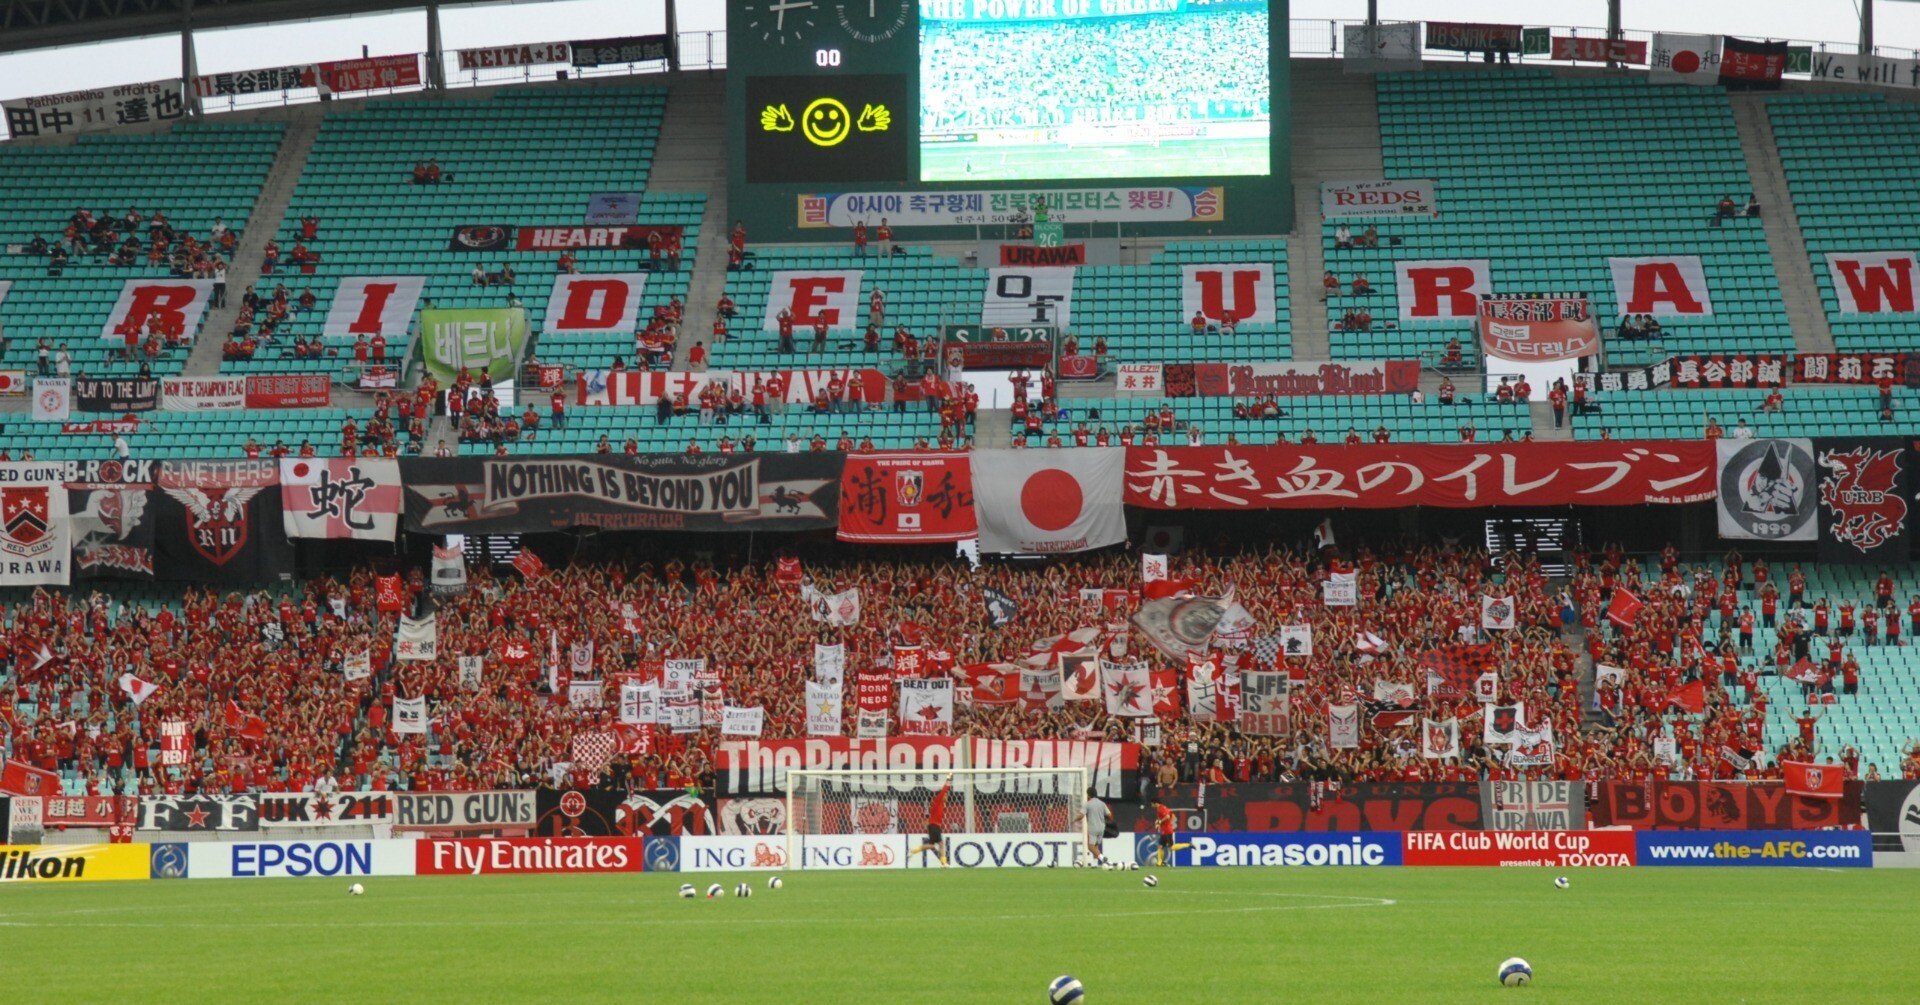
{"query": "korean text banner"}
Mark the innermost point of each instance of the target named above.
(1381, 476)
(475, 338)
(714, 492)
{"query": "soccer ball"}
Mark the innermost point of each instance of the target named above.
(1516, 973)
(773, 882)
(1065, 990)
(1149, 881)
(356, 890)
(686, 890)
(743, 890)
(1133, 866)
(714, 891)
(1561, 882)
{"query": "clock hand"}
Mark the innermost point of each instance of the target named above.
(873, 8)
(780, 11)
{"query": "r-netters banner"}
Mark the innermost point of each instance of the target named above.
(1384, 476)
(714, 492)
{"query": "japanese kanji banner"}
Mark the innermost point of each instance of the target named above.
(340, 498)
(1391, 475)
(1767, 490)
(1715, 370)
(98, 108)
(1856, 367)
(1531, 328)
(907, 498)
(1865, 493)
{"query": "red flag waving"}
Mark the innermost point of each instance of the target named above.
(1624, 608)
(1690, 697)
(529, 564)
(1451, 669)
(1807, 672)
(387, 598)
(245, 723)
(1819, 781)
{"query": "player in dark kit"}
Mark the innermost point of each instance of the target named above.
(936, 823)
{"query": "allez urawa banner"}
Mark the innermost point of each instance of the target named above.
(713, 492)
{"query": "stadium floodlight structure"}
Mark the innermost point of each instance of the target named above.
(849, 818)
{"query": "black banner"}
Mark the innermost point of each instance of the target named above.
(1893, 814)
(219, 521)
(112, 532)
(577, 813)
(1717, 806)
(852, 127)
(1472, 36)
(205, 813)
(481, 237)
(1864, 510)
(712, 492)
(665, 812)
(1749, 65)
(614, 51)
(1311, 806)
(116, 394)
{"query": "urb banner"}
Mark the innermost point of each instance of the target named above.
(1863, 500)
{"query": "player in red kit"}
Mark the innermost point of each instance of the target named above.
(936, 823)
(1163, 823)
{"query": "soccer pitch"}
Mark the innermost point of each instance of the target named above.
(1203, 936)
(1172, 159)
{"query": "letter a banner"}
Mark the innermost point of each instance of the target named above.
(1049, 501)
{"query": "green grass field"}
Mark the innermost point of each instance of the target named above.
(1172, 159)
(1204, 936)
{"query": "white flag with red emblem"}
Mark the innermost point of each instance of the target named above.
(1684, 59)
(926, 707)
(137, 689)
(1439, 739)
(1049, 501)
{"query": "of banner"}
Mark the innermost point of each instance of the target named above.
(1378, 197)
(374, 306)
(1300, 378)
(1684, 59)
(1767, 490)
(1901, 368)
(1535, 328)
(907, 498)
(1017, 297)
(1892, 810)
(522, 856)
(1864, 488)
(713, 492)
(97, 108)
(73, 862)
(1503, 724)
(339, 498)
(1228, 293)
(838, 609)
(1049, 502)
(596, 302)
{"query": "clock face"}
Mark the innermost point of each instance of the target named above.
(873, 20)
(782, 21)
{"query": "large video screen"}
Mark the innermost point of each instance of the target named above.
(1041, 89)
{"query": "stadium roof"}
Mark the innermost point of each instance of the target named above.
(40, 24)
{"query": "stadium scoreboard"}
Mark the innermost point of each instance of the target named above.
(1105, 102)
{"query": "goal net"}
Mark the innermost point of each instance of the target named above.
(852, 819)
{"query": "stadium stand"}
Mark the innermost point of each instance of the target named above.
(1804, 411)
(1328, 419)
(1544, 177)
(195, 174)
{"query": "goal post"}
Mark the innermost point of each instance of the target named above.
(858, 818)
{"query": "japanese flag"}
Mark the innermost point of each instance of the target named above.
(1684, 59)
(137, 689)
(1049, 501)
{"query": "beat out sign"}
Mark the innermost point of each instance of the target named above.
(1001, 346)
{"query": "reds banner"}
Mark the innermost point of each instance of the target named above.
(907, 498)
(830, 296)
(1599, 50)
(34, 528)
(374, 305)
(1665, 286)
(573, 237)
(1533, 329)
(369, 74)
(606, 302)
(795, 387)
(1387, 475)
(172, 303)
(1441, 289)
(340, 498)
(1300, 377)
(1872, 282)
(1240, 293)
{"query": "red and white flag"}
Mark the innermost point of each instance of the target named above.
(1439, 739)
(137, 689)
(1624, 608)
(926, 707)
(1049, 501)
(1817, 781)
(247, 724)
(529, 564)
(1684, 59)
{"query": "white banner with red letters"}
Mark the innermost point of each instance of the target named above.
(1049, 501)
(830, 295)
(1442, 289)
(1665, 286)
(1377, 197)
(645, 387)
(34, 528)
(1023, 297)
(181, 302)
(599, 302)
(1873, 282)
(1237, 292)
(374, 305)
(340, 498)
(203, 394)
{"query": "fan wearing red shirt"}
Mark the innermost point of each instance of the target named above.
(936, 822)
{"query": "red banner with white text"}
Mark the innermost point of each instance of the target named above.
(372, 73)
(759, 767)
(292, 390)
(1390, 475)
(796, 387)
(1599, 50)
(1300, 377)
(907, 498)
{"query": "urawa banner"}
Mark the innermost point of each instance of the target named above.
(1389, 475)
(907, 498)
(714, 492)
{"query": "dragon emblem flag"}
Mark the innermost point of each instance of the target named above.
(1864, 500)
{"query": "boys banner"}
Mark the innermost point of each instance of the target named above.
(1864, 500)
(1535, 329)
(712, 492)
(340, 498)
(1767, 489)
(1384, 476)
(907, 498)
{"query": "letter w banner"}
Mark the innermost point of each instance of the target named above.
(1767, 490)
(830, 296)
(907, 498)
(340, 498)
(34, 528)
(1240, 293)
(1665, 286)
(1873, 282)
(607, 302)
(1049, 501)
(1865, 493)
(1819, 781)
(1538, 329)
(374, 305)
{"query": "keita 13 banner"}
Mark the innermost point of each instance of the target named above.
(716, 492)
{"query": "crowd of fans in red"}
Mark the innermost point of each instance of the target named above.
(259, 676)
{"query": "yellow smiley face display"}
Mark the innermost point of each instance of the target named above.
(825, 122)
